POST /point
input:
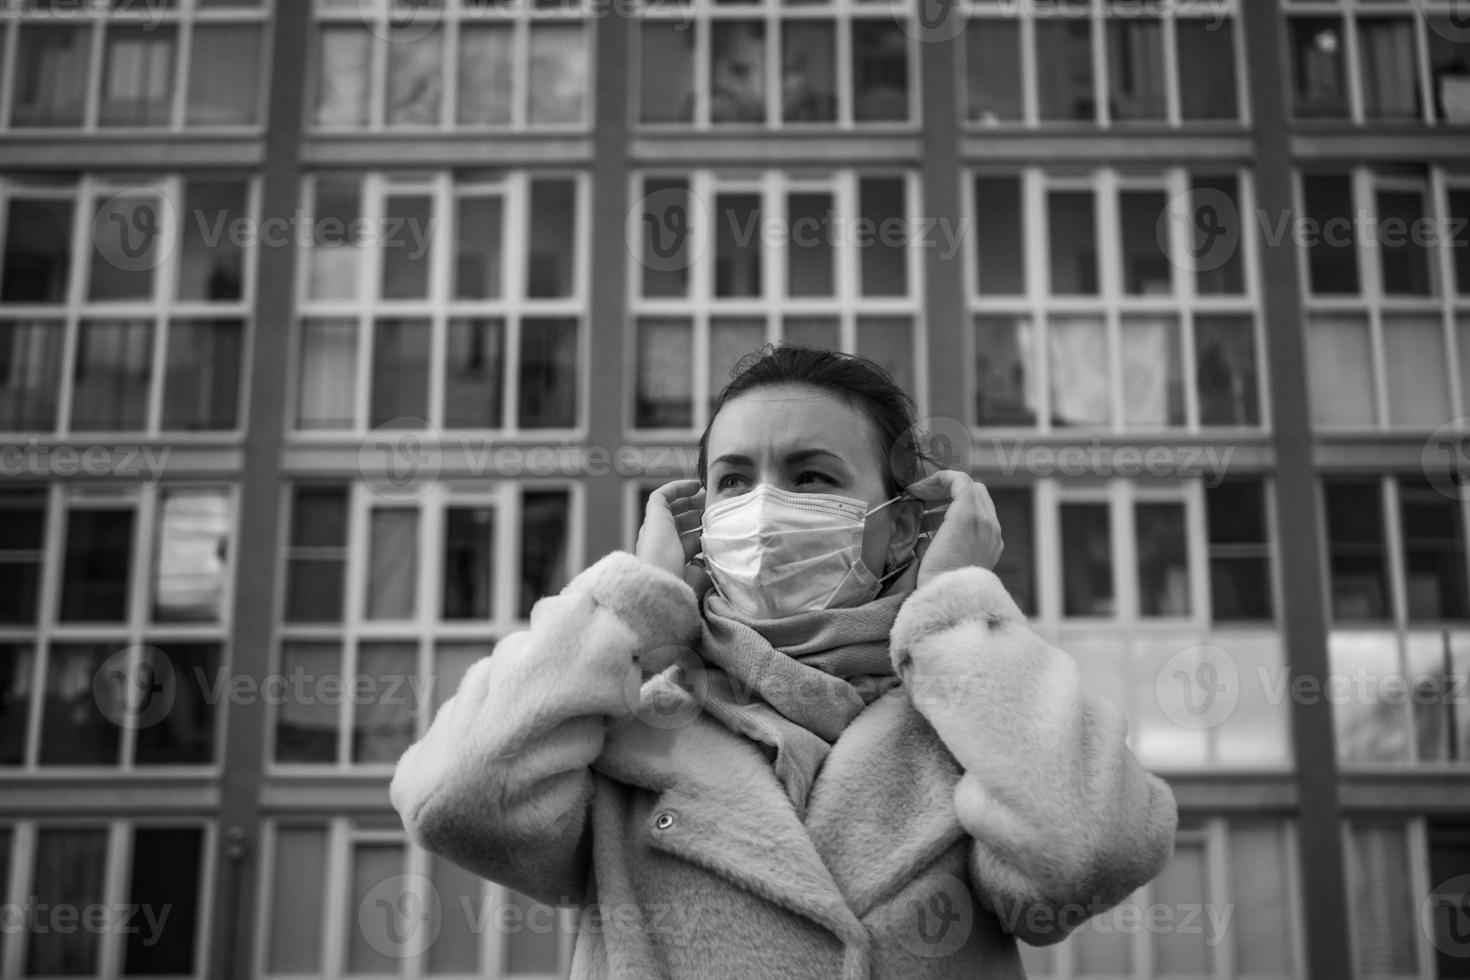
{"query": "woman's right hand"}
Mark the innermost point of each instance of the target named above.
(669, 537)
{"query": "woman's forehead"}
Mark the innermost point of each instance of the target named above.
(781, 420)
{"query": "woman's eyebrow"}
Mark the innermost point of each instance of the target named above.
(802, 455)
(732, 459)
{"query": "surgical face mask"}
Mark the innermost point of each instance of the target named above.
(772, 553)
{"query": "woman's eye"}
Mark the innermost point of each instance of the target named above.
(811, 476)
(730, 481)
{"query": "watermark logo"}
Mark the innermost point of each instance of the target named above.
(1211, 226)
(660, 229)
(400, 917)
(1445, 459)
(1444, 916)
(130, 230)
(405, 21)
(938, 918)
(933, 21)
(938, 440)
(135, 687)
(1453, 24)
(654, 701)
(1198, 687)
(401, 459)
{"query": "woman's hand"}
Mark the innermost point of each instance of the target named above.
(966, 532)
(669, 537)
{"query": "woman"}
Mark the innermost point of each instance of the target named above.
(872, 767)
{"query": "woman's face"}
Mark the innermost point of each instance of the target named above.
(807, 440)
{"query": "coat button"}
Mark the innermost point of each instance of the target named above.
(663, 821)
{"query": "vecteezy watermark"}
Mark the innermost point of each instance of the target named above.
(34, 459)
(1209, 224)
(410, 21)
(1445, 459)
(1444, 917)
(1453, 24)
(1207, 920)
(147, 14)
(944, 20)
(669, 229)
(401, 917)
(938, 918)
(35, 917)
(1198, 687)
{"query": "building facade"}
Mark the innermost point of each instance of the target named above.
(335, 332)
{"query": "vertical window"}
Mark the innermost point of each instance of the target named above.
(1319, 88)
(22, 553)
(317, 558)
(1064, 70)
(1358, 554)
(165, 875)
(1434, 558)
(37, 258)
(1087, 578)
(1240, 551)
(1163, 559)
(1072, 231)
(98, 566)
(68, 871)
(1385, 941)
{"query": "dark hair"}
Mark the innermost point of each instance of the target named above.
(858, 381)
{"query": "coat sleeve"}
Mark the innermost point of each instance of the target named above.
(1065, 822)
(500, 784)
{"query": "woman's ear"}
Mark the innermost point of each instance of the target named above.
(908, 521)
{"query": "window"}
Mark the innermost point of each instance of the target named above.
(729, 262)
(774, 65)
(115, 622)
(1406, 886)
(401, 595)
(479, 928)
(171, 253)
(1239, 529)
(189, 64)
(1038, 65)
(1174, 925)
(460, 64)
(497, 343)
(1087, 298)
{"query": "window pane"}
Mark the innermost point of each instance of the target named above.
(307, 725)
(737, 71)
(1458, 201)
(392, 563)
(1136, 69)
(1017, 565)
(1359, 557)
(344, 76)
(30, 375)
(1385, 939)
(532, 951)
(1388, 68)
(22, 548)
(469, 563)
(202, 374)
(1449, 52)
(666, 230)
(1080, 386)
(326, 392)
(457, 947)
(37, 251)
(812, 331)
(1217, 213)
(1431, 685)
(808, 72)
(548, 373)
(1163, 560)
(406, 247)
(737, 245)
(452, 661)
(126, 236)
(486, 75)
(224, 76)
(70, 872)
(211, 263)
(1087, 560)
(1415, 370)
(544, 527)
(1005, 364)
(191, 556)
(730, 340)
(1257, 735)
(1402, 249)
(999, 240)
(99, 548)
(383, 721)
(1153, 372)
(1240, 548)
(1183, 886)
(1317, 68)
(51, 76)
(166, 865)
(334, 252)
(558, 74)
(1449, 864)
(1434, 553)
(889, 341)
(479, 248)
(185, 734)
(113, 363)
(373, 865)
(473, 377)
(1207, 87)
(1146, 268)
(298, 879)
(1332, 257)
(415, 78)
(810, 268)
(1226, 370)
(880, 71)
(316, 567)
(138, 76)
(1064, 70)
(1259, 868)
(665, 373)
(666, 78)
(1370, 731)
(993, 57)
(885, 255)
(1073, 242)
(79, 706)
(400, 393)
(17, 666)
(1340, 371)
(553, 239)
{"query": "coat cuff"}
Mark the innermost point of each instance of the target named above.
(658, 607)
(951, 598)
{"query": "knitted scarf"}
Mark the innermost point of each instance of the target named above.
(793, 684)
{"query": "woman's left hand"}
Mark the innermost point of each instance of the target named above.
(968, 530)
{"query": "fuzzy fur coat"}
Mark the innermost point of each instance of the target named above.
(986, 799)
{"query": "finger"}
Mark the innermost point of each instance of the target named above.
(694, 503)
(944, 485)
